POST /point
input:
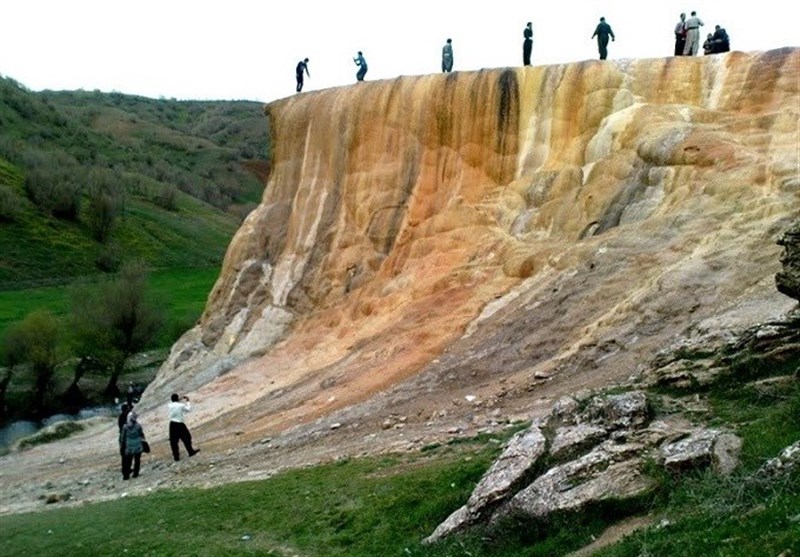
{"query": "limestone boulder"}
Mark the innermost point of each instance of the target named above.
(521, 454)
(702, 448)
(624, 410)
(592, 478)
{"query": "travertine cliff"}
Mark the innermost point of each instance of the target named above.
(486, 233)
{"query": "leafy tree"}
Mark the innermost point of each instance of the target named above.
(36, 341)
(115, 319)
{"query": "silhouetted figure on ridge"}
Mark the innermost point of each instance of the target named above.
(602, 32)
(362, 64)
(302, 66)
(722, 43)
(708, 45)
(680, 35)
(693, 25)
(527, 44)
(447, 56)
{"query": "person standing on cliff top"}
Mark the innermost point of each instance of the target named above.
(302, 66)
(602, 32)
(178, 432)
(722, 43)
(680, 35)
(362, 64)
(693, 25)
(447, 56)
(527, 44)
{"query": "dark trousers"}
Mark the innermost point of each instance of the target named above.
(178, 432)
(127, 460)
(361, 73)
(680, 42)
(299, 82)
(527, 47)
(602, 46)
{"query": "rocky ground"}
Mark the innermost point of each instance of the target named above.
(85, 467)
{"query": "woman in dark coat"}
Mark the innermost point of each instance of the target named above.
(131, 438)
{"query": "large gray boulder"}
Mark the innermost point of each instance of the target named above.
(597, 476)
(521, 454)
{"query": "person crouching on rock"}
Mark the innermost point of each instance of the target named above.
(131, 440)
(178, 432)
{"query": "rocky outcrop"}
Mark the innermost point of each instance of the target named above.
(695, 362)
(597, 453)
(788, 280)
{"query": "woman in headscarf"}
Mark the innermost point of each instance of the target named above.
(131, 438)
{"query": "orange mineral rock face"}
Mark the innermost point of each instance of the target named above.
(480, 225)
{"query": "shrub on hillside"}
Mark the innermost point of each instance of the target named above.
(107, 259)
(10, 204)
(167, 198)
(54, 192)
(105, 204)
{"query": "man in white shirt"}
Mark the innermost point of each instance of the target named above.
(177, 428)
(693, 25)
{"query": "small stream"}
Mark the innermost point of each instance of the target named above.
(14, 431)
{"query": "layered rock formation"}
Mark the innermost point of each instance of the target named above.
(450, 234)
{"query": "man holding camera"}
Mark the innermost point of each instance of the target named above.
(177, 428)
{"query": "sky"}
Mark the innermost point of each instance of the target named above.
(248, 49)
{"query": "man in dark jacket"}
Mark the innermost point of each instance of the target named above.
(680, 35)
(602, 32)
(527, 44)
(302, 66)
(720, 40)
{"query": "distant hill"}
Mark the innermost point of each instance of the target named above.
(88, 179)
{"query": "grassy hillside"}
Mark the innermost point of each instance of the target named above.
(173, 176)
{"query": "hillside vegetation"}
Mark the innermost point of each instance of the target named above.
(90, 179)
